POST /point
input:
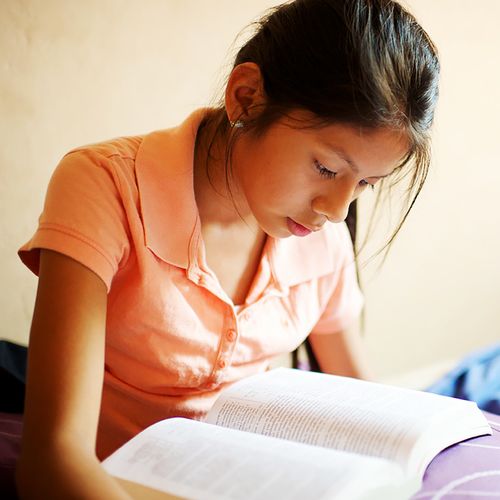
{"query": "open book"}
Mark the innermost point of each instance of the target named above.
(293, 434)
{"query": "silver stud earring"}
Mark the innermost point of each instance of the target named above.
(237, 124)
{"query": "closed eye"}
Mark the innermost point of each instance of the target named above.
(322, 170)
(364, 182)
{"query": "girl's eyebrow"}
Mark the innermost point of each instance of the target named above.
(382, 176)
(343, 157)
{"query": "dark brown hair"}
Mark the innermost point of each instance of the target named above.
(366, 63)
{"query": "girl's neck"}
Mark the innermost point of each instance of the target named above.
(218, 203)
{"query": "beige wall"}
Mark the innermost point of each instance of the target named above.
(75, 72)
(439, 293)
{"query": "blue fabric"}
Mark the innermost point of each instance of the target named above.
(476, 378)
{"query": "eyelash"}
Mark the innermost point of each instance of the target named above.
(364, 183)
(331, 175)
(324, 171)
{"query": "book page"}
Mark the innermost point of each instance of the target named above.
(192, 459)
(334, 412)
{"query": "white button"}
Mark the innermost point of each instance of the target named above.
(221, 364)
(231, 334)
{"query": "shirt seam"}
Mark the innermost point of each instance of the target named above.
(77, 235)
(94, 149)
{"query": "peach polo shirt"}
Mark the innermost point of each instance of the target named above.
(126, 209)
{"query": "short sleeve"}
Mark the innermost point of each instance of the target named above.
(346, 300)
(83, 216)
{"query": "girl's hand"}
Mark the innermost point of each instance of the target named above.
(342, 353)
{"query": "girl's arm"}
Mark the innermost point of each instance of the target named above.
(342, 353)
(64, 385)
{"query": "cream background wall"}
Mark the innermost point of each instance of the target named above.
(76, 72)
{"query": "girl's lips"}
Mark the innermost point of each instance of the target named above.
(296, 229)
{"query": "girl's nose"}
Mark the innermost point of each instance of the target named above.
(334, 204)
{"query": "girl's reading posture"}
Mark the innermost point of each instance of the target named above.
(175, 263)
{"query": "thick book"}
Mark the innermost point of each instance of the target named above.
(293, 434)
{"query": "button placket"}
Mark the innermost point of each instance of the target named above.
(231, 335)
(227, 348)
(228, 342)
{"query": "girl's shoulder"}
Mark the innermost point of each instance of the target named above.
(118, 148)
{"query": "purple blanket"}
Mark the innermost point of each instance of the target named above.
(470, 469)
(10, 446)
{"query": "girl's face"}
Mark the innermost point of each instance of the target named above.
(294, 179)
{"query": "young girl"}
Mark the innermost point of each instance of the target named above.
(173, 264)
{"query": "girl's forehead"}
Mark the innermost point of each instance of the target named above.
(335, 135)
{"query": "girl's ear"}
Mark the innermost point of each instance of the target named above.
(244, 92)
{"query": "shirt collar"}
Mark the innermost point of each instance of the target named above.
(164, 167)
